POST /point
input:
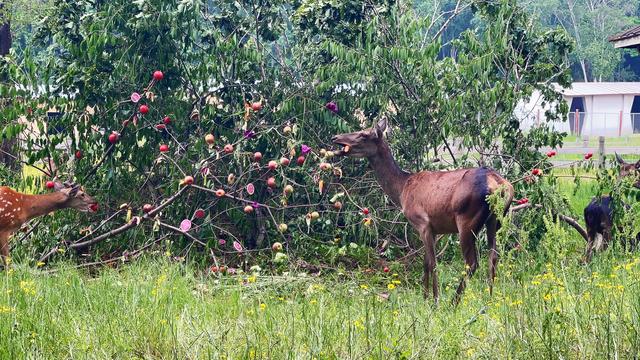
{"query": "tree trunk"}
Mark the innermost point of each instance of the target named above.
(7, 146)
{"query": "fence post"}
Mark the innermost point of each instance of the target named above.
(601, 150)
(620, 126)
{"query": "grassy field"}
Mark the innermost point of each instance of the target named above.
(628, 140)
(545, 305)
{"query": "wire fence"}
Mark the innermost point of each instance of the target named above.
(609, 124)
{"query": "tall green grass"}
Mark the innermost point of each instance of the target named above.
(159, 310)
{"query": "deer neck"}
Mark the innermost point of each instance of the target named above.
(38, 205)
(390, 177)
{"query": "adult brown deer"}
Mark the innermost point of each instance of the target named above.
(17, 208)
(435, 202)
(598, 215)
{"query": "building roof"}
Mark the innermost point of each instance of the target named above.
(600, 88)
(626, 34)
(626, 39)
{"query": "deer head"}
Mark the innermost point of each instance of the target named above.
(362, 144)
(627, 169)
(75, 197)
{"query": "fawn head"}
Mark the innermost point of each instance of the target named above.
(76, 197)
(362, 144)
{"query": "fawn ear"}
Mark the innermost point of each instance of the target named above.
(71, 191)
(381, 126)
(58, 186)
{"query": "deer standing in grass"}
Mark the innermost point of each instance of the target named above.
(598, 215)
(17, 208)
(435, 202)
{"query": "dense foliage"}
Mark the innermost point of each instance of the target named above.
(279, 79)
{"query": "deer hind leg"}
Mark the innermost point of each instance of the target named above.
(492, 229)
(590, 245)
(469, 252)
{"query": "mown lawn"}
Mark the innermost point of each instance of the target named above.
(545, 305)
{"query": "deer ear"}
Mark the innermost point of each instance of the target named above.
(620, 160)
(381, 126)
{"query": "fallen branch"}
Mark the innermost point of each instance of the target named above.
(572, 222)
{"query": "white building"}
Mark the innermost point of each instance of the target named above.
(597, 108)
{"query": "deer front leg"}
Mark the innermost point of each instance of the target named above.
(429, 263)
(4, 248)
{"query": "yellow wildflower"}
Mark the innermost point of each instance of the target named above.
(252, 278)
(547, 297)
(263, 306)
(396, 282)
(391, 286)
(364, 287)
(40, 264)
(28, 287)
(6, 309)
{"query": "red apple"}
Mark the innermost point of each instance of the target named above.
(220, 193)
(248, 209)
(285, 162)
(158, 75)
(365, 211)
(144, 109)
(325, 166)
(588, 156)
(209, 139)
(199, 214)
(276, 247)
(147, 208)
(272, 165)
(337, 205)
(228, 148)
(188, 180)
(271, 182)
(164, 148)
(161, 127)
(166, 120)
(78, 154)
(257, 156)
(536, 172)
(385, 269)
(256, 106)
(113, 138)
(50, 184)
(300, 160)
(93, 207)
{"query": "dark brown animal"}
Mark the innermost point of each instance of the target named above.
(435, 202)
(598, 215)
(17, 208)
